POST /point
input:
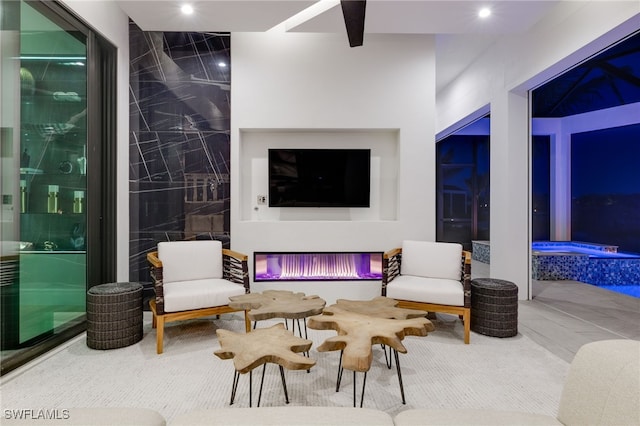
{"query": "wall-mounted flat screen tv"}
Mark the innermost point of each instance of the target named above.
(319, 177)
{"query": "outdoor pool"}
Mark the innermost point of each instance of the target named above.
(597, 264)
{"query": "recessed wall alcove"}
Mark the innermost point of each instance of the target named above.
(254, 146)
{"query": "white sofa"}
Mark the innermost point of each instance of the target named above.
(602, 388)
(278, 416)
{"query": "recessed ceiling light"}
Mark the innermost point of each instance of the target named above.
(186, 9)
(484, 12)
(222, 64)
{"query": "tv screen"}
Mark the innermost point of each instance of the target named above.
(319, 177)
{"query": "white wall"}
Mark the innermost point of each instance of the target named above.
(315, 84)
(500, 78)
(106, 18)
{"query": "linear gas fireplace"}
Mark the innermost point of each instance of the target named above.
(318, 266)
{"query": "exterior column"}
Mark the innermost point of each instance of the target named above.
(560, 194)
(510, 190)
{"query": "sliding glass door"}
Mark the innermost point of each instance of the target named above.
(51, 140)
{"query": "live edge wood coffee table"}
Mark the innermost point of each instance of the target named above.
(361, 324)
(279, 304)
(274, 344)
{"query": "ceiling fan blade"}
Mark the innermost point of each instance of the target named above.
(353, 12)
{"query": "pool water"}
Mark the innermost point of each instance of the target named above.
(594, 251)
(629, 290)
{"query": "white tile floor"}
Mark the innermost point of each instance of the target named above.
(564, 315)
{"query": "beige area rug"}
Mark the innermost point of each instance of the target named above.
(438, 371)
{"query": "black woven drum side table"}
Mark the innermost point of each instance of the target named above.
(494, 307)
(114, 315)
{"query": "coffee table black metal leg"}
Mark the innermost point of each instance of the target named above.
(234, 386)
(395, 353)
(339, 379)
(250, 386)
(264, 367)
(284, 384)
(364, 384)
(354, 389)
(387, 358)
(293, 328)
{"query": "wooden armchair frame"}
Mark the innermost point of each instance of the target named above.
(235, 269)
(391, 266)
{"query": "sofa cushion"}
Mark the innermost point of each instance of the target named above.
(462, 416)
(428, 290)
(190, 260)
(431, 259)
(292, 415)
(603, 385)
(189, 295)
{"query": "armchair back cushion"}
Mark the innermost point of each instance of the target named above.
(190, 260)
(431, 259)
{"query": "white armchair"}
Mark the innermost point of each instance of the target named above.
(194, 279)
(430, 276)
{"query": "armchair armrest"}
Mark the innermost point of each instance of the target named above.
(391, 262)
(155, 270)
(235, 268)
(154, 260)
(465, 279)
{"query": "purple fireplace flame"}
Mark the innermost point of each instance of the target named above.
(317, 266)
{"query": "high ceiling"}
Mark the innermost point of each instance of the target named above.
(460, 35)
(382, 16)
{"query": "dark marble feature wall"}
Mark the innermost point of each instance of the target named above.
(178, 142)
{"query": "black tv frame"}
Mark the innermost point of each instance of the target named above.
(310, 182)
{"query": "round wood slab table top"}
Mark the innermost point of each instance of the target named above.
(274, 344)
(277, 304)
(357, 333)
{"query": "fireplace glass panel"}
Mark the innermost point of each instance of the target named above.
(319, 266)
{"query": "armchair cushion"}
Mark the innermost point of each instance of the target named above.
(438, 291)
(431, 259)
(190, 260)
(197, 294)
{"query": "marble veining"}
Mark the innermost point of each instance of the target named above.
(179, 144)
